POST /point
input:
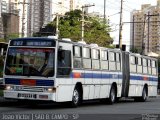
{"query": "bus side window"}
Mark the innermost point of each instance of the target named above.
(139, 65)
(133, 64)
(104, 60)
(112, 61)
(118, 64)
(145, 70)
(95, 59)
(77, 57)
(154, 71)
(149, 67)
(64, 63)
(86, 58)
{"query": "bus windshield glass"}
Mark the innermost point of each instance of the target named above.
(30, 62)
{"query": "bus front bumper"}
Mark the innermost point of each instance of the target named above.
(29, 95)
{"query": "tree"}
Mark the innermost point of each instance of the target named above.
(10, 36)
(49, 29)
(136, 50)
(70, 27)
(2, 40)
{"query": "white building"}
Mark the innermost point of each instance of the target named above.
(63, 6)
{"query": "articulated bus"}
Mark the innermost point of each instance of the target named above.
(48, 69)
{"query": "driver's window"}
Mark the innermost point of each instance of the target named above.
(64, 63)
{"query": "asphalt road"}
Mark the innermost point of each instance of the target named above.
(93, 110)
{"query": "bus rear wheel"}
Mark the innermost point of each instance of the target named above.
(144, 97)
(112, 96)
(76, 98)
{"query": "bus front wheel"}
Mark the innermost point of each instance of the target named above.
(76, 98)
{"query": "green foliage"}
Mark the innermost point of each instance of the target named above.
(11, 36)
(2, 40)
(49, 30)
(95, 30)
(135, 50)
(1, 93)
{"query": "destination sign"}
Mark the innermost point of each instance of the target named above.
(35, 42)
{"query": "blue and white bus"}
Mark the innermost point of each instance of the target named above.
(49, 69)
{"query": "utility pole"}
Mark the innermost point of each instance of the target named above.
(133, 34)
(83, 20)
(148, 32)
(120, 25)
(23, 15)
(71, 5)
(104, 11)
(23, 18)
(57, 25)
(144, 24)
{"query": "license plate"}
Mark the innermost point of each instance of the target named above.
(26, 95)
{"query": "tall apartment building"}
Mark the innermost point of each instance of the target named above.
(137, 29)
(10, 24)
(39, 13)
(145, 29)
(13, 6)
(152, 37)
(4, 6)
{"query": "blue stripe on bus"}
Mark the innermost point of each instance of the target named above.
(44, 82)
(38, 82)
(132, 77)
(83, 75)
(154, 79)
(112, 76)
(12, 81)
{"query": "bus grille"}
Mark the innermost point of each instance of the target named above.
(29, 88)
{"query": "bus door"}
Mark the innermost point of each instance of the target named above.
(64, 63)
(125, 74)
(64, 66)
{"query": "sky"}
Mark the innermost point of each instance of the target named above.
(112, 11)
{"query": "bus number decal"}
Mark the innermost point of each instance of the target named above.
(28, 82)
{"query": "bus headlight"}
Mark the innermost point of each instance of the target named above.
(9, 87)
(50, 89)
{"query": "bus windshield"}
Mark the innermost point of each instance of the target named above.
(30, 62)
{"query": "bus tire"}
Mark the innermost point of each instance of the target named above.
(144, 95)
(112, 95)
(76, 98)
(143, 98)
